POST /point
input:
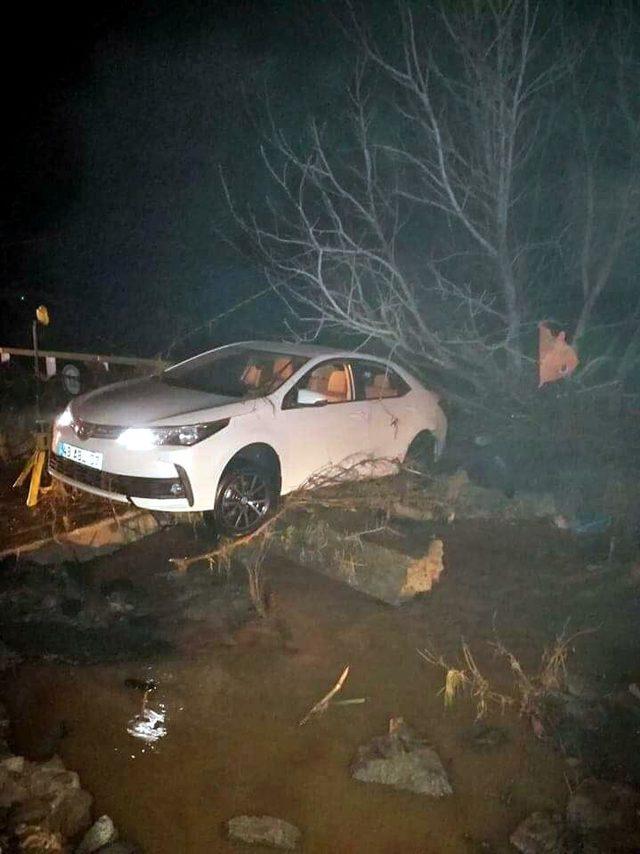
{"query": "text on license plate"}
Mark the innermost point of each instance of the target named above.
(93, 459)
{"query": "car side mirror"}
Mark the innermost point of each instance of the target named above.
(306, 397)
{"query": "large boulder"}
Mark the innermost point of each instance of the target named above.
(402, 760)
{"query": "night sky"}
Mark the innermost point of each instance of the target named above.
(119, 120)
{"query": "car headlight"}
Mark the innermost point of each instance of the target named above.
(65, 419)
(145, 438)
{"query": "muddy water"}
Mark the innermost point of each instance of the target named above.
(233, 743)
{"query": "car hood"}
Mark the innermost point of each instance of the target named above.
(150, 401)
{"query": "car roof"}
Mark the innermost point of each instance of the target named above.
(301, 349)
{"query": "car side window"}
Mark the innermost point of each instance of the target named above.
(374, 381)
(329, 382)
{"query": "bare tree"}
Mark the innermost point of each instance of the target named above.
(419, 221)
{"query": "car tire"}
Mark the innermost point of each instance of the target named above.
(247, 495)
(421, 456)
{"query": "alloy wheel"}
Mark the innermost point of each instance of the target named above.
(245, 502)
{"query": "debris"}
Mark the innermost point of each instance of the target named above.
(264, 830)
(402, 760)
(540, 833)
(556, 358)
(322, 705)
(36, 838)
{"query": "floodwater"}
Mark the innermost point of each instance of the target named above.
(231, 702)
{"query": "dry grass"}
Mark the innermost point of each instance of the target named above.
(551, 674)
(529, 689)
(466, 679)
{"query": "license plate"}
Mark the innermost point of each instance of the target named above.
(93, 459)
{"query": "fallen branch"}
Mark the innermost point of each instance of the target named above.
(315, 492)
(182, 564)
(322, 705)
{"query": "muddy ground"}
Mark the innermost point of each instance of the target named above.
(234, 686)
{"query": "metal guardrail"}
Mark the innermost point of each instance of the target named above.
(158, 364)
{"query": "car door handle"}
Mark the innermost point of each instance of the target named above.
(358, 414)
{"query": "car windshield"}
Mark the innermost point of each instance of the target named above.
(236, 372)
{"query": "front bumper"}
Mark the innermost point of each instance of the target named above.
(131, 488)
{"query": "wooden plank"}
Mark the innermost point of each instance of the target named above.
(158, 364)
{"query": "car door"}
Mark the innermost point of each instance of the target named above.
(384, 395)
(326, 429)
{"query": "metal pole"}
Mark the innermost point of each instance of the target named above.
(36, 369)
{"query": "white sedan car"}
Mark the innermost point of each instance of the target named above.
(233, 429)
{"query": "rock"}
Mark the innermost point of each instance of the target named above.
(71, 814)
(13, 764)
(540, 833)
(264, 830)
(101, 833)
(403, 761)
(596, 805)
(47, 782)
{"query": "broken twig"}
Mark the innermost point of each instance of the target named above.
(322, 705)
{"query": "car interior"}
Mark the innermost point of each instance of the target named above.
(271, 372)
(331, 380)
(380, 387)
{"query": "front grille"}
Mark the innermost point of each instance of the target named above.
(119, 484)
(86, 430)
